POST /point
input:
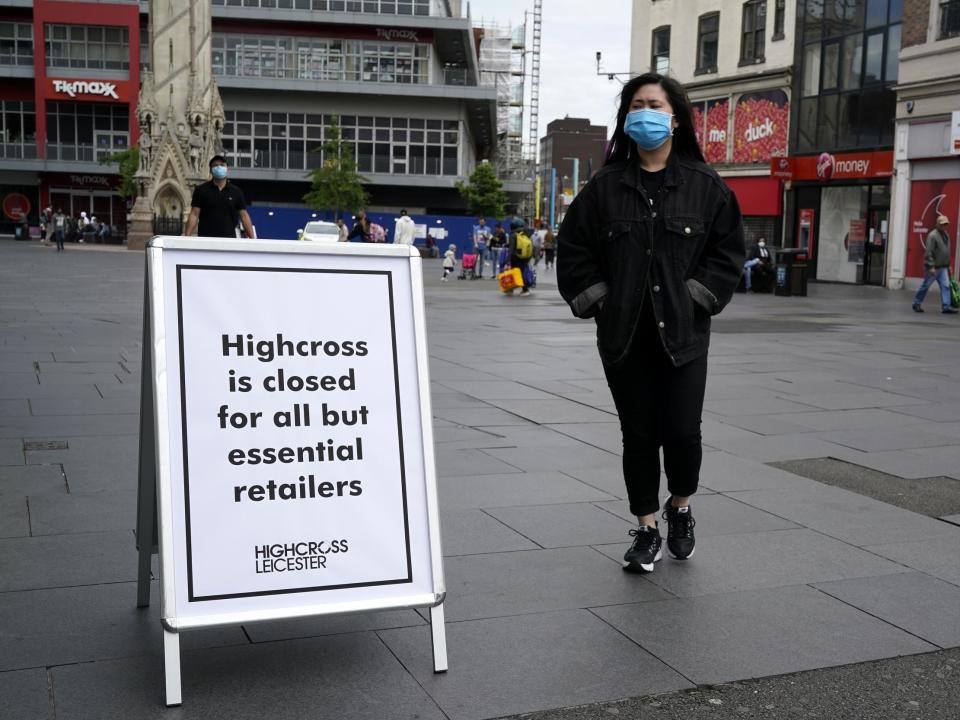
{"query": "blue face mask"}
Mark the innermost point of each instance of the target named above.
(648, 128)
(219, 172)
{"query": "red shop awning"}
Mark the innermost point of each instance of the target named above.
(757, 195)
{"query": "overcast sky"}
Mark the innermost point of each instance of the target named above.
(572, 35)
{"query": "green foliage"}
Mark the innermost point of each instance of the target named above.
(484, 192)
(336, 185)
(129, 162)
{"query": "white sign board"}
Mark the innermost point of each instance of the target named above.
(294, 442)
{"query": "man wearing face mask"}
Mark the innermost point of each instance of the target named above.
(218, 206)
(757, 256)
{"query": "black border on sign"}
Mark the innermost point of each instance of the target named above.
(183, 418)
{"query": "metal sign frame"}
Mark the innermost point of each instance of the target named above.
(155, 498)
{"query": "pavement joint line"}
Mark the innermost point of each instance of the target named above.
(542, 547)
(29, 518)
(410, 672)
(640, 645)
(51, 696)
(877, 617)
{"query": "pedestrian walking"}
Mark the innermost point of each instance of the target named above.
(481, 245)
(218, 205)
(498, 241)
(936, 261)
(403, 235)
(343, 231)
(652, 247)
(521, 251)
(59, 228)
(449, 261)
(549, 248)
(361, 229)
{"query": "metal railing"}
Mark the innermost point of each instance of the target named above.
(949, 19)
(18, 151)
(419, 8)
(73, 152)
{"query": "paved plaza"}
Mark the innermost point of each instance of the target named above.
(791, 573)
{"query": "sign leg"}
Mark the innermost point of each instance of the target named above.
(146, 471)
(438, 635)
(171, 667)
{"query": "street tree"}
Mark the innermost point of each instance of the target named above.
(484, 192)
(128, 161)
(336, 185)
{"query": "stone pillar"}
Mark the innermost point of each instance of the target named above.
(180, 116)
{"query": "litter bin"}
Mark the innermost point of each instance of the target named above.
(785, 273)
(798, 279)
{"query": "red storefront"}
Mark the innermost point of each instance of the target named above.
(841, 210)
(79, 106)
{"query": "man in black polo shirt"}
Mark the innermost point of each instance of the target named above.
(218, 205)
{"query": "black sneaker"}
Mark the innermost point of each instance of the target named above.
(680, 524)
(917, 307)
(647, 548)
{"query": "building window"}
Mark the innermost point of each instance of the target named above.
(88, 47)
(660, 50)
(16, 43)
(708, 33)
(293, 141)
(779, 19)
(319, 59)
(86, 132)
(376, 7)
(18, 130)
(949, 19)
(754, 29)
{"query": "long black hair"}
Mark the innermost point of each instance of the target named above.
(684, 138)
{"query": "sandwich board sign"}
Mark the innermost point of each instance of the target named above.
(286, 430)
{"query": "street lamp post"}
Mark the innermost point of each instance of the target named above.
(576, 174)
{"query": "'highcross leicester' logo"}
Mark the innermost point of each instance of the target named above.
(85, 87)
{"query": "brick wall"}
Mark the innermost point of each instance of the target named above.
(916, 16)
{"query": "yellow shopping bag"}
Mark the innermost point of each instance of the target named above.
(510, 279)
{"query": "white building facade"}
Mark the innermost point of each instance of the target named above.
(735, 59)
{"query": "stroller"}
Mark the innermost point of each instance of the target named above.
(468, 267)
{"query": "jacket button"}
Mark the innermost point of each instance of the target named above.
(686, 230)
(648, 251)
(653, 214)
(656, 288)
(610, 234)
(661, 325)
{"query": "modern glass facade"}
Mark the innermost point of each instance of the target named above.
(377, 7)
(86, 131)
(87, 47)
(848, 65)
(387, 145)
(306, 58)
(18, 129)
(16, 43)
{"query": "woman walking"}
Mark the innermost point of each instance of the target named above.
(652, 247)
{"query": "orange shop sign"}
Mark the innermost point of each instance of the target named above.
(826, 167)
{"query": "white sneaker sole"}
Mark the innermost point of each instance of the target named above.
(644, 567)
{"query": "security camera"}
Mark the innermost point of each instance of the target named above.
(598, 56)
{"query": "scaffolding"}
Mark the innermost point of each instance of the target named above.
(504, 61)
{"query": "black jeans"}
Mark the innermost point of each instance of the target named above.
(659, 406)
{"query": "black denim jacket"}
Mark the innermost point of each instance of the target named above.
(685, 254)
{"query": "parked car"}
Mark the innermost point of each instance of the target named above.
(319, 231)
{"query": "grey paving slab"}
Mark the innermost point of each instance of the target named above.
(553, 411)
(725, 472)
(69, 426)
(731, 563)
(66, 560)
(25, 695)
(77, 367)
(68, 380)
(568, 457)
(780, 447)
(14, 516)
(58, 626)
(605, 435)
(349, 676)
(497, 390)
(850, 401)
(56, 392)
(716, 514)
(331, 625)
(475, 532)
(940, 558)
(85, 406)
(924, 435)
(922, 605)
(14, 408)
(847, 516)
(480, 416)
(515, 583)
(82, 512)
(11, 452)
(451, 463)
(23, 480)
(608, 479)
(570, 525)
(861, 419)
(753, 406)
(955, 519)
(485, 491)
(902, 463)
(758, 633)
(523, 664)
